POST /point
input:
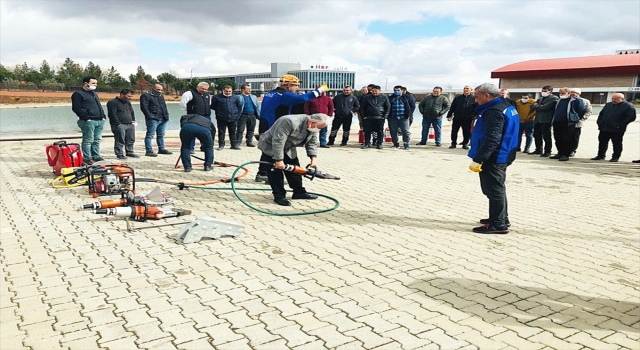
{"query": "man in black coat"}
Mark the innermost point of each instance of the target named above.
(612, 123)
(462, 114)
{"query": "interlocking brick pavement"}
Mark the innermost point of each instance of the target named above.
(395, 267)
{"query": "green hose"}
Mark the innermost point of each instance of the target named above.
(235, 193)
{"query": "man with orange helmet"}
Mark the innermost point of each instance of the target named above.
(278, 102)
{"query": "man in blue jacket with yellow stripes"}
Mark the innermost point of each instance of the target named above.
(279, 102)
(494, 145)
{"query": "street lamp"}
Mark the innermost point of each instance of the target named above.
(192, 74)
(386, 80)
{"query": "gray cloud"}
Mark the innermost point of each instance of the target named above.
(245, 36)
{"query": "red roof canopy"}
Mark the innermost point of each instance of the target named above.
(572, 66)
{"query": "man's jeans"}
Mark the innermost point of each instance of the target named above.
(188, 134)
(492, 179)
(123, 135)
(563, 135)
(193, 143)
(376, 126)
(528, 131)
(223, 125)
(155, 128)
(323, 136)
(276, 177)
(91, 136)
(542, 132)
(603, 143)
(465, 125)
(403, 124)
(437, 127)
(249, 122)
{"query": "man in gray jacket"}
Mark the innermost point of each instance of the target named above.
(433, 107)
(545, 108)
(278, 146)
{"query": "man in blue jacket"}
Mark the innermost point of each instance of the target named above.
(569, 111)
(279, 102)
(227, 108)
(494, 144)
(250, 111)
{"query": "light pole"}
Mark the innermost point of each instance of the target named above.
(192, 74)
(386, 80)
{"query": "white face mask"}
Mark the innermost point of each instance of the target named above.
(564, 96)
(544, 94)
(524, 100)
(92, 87)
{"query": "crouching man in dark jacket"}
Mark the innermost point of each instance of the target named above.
(494, 144)
(612, 123)
(194, 126)
(278, 146)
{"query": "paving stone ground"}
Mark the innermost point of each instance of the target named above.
(395, 267)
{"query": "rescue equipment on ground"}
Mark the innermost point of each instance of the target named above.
(62, 155)
(153, 198)
(142, 212)
(106, 179)
(210, 228)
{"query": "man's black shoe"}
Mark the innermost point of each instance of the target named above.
(486, 222)
(613, 160)
(536, 152)
(488, 229)
(421, 144)
(572, 154)
(465, 147)
(545, 155)
(324, 146)
(98, 159)
(365, 146)
(282, 201)
(133, 155)
(343, 144)
(249, 144)
(122, 157)
(235, 147)
(151, 154)
(453, 145)
(557, 156)
(330, 143)
(635, 161)
(187, 170)
(598, 158)
(304, 196)
(164, 151)
(563, 158)
(208, 168)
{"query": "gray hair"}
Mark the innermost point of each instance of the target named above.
(488, 88)
(203, 83)
(319, 118)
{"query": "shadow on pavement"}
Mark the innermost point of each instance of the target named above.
(510, 305)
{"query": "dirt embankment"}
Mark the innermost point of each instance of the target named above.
(21, 97)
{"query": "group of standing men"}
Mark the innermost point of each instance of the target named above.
(85, 103)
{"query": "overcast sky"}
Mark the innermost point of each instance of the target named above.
(418, 44)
